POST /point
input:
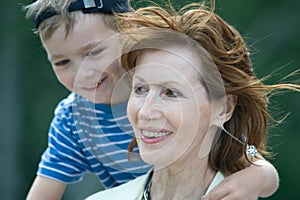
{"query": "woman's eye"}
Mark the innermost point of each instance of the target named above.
(62, 63)
(171, 93)
(140, 89)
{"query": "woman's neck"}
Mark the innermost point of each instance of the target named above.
(182, 181)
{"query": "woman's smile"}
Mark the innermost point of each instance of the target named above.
(152, 137)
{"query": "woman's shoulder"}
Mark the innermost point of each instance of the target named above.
(132, 190)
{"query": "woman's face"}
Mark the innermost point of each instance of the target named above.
(169, 108)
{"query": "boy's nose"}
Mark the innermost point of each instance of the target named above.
(86, 73)
(90, 72)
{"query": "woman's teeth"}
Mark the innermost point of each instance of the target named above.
(151, 134)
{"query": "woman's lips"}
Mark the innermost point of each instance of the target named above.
(152, 137)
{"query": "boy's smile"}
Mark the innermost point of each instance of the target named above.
(86, 60)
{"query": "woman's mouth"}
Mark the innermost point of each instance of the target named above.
(152, 137)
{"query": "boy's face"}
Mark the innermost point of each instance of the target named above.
(86, 61)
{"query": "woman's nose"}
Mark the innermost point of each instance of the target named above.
(150, 109)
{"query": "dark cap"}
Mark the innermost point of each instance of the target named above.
(87, 6)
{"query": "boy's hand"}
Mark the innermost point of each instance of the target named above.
(247, 184)
(237, 186)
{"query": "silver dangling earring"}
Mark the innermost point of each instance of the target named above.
(251, 150)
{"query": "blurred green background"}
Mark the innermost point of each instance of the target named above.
(30, 91)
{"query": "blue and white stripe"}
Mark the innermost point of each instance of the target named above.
(90, 137)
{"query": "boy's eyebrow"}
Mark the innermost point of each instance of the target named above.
(84, 48)
(89, 46)
(55, 56)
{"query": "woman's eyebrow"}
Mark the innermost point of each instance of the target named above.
(162, 82)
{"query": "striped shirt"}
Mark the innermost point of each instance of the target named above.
(87, 137)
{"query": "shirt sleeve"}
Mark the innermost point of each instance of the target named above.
(63, 159)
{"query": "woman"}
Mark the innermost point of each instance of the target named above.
(197, 109)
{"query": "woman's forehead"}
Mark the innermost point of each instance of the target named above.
(178, 59)
(164, 65)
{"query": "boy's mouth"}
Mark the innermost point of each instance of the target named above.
(95, 85)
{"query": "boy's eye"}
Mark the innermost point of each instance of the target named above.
(94, 53)
(62, 63)
(171, 93)
(140, 89)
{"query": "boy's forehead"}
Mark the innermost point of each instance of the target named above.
(87, 34)
(85, 27)
(91, 26)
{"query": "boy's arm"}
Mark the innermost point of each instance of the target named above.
(260, 180)
(46, 189)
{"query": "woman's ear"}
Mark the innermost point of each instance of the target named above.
(223, 110)
(231, 101)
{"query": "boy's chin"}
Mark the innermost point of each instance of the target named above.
(106, 99)
(98, 101)
(94, 99)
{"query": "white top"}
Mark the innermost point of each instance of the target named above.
(133, 190)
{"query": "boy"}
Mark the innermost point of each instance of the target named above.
(90, 130)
